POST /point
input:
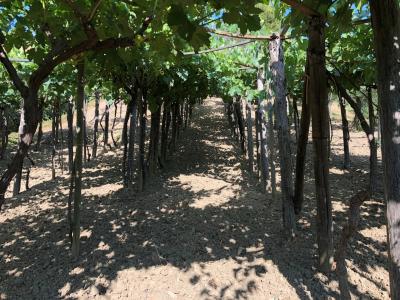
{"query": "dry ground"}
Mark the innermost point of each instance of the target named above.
(201, 230)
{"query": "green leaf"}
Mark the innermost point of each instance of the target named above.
(253, 22)
(231, 17)
(176, 16)
(200, 38)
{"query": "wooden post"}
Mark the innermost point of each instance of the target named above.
(318, 95)
(277, 69)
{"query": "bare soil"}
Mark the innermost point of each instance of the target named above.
(201, 230)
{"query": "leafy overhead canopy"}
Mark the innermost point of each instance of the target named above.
(150, 37)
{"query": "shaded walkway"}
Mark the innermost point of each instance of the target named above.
(199, 231)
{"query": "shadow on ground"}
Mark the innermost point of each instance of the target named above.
(167, 225)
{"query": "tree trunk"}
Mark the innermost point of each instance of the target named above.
(54, 124)
(86, 154)
(190, 113)
(154, 141)
(186, 114)
(113, 124)
(96, 122)
(132, 134)
(53, 141)
(70, 199)
(386, 28)
(78, 159)
(180, 120)
(231, 123)
(61, 152)
(264, 161)
(174, 133)
(277, 68)
(302, 147)
(330, 132)
(106, 125)
(70, 121)
(289, 112)
(296, 118)
(40, 132)
(263, 132)
(124, 137)
(142, 101)
(373, 147)
(166, 121)
(28, 172)
(346, 134)
(18, 177)
(318, 94)
(53, 163)
(271, 149)
(239, 117)
(3, 132)
(31, 115)
(250, 146)
(258, 137)
(368, 130)
(17, 180)
(57, 112)
(235, 122)
(26, 134)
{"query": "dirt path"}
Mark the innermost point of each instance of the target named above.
(200, 231)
